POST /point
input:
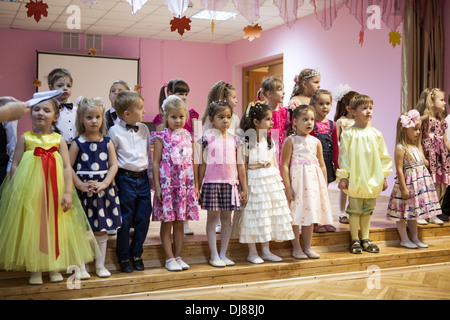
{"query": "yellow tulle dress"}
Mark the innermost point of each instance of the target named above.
(35, 233)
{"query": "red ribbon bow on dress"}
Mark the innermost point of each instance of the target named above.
(49, 168)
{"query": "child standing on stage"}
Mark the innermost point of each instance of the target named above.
(413, 196)
(304, 176)
(435, 145)
(131, 139)
(42, 222)
(273, 90)
(93, 158)
(266, 217)
(306, 83)
(176, 187)
(325, 131)
(344, 120)
(364, 164)
(111, 117)
(61, 79)
(222, 162)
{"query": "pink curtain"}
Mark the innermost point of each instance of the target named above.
(249, 9)
(288, 10)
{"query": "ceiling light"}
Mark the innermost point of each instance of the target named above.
(214, 15)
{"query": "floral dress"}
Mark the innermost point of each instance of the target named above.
(176, 175)
(435, 150)
(423, 202)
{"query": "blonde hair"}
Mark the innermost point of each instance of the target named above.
(401, 138)
(172, 103)
(270, 84)
(317, 94)
(304, 76)
(84, 104)
(426, 102)
(360, 99)
(125, 100)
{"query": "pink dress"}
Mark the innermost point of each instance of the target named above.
(280, 126)
(176, 176)
(435, 150)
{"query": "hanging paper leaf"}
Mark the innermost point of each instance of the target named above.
(137, 88)
(395, 38)
(37, 82)
(361, 37)
(252, 31)
(180, 24)
(37, 9)
(92, 52)
(89, 3)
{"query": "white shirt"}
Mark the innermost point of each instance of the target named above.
(133, 148)
(11, 138)
(66, 123)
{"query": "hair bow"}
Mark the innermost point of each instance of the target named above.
(411, 119)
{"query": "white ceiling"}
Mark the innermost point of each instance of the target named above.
(114, 17)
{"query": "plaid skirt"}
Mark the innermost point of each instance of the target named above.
(218, 197)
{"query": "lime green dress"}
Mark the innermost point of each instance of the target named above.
(35, 233)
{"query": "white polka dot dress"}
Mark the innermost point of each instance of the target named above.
(102, 208)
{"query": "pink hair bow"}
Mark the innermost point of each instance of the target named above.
(410, 120)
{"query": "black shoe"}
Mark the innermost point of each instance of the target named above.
(443, 217)
(138, 264)
(125, 266)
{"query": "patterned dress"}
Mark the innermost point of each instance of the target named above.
(423, 202)
(435, 150)
(311, 203)
(176, 175)
(102, 208)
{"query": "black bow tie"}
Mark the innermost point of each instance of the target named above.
(130, 127)
(67, 105)
(114, 115)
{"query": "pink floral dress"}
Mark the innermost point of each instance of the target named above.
(176, 176)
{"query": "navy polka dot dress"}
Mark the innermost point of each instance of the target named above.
(102, 208)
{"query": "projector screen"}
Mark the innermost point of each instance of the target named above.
(92, 76)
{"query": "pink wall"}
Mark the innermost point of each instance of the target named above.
(160, 61)
(373, 69)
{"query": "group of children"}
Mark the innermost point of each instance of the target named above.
(67, 189)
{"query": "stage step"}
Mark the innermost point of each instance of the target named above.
(333, 248)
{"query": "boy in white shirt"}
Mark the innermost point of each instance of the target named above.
(131, 139)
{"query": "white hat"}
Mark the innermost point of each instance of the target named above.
(38, 97)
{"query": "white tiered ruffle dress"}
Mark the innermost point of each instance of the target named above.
(266, 216)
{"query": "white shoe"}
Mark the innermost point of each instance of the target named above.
(181, 263)
(422, 222)
(55, 276)
(420, 244)
(35, 278)
(217, 263)
(172, 265)
(227, 261)
(312, 255)
(271, 257)
(436, 220)
(299, 255)
(255, 259)
(408, 244)
(103, 272)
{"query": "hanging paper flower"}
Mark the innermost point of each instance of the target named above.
(137, 88)
(395, 38)
(252, 31)
(180, 24)
(37, 82)
(89, 3)
(92, 52)
(37, 9)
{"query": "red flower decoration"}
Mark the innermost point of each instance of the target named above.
(180, 24)
(37, 9)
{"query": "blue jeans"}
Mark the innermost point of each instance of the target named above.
(136, 209)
